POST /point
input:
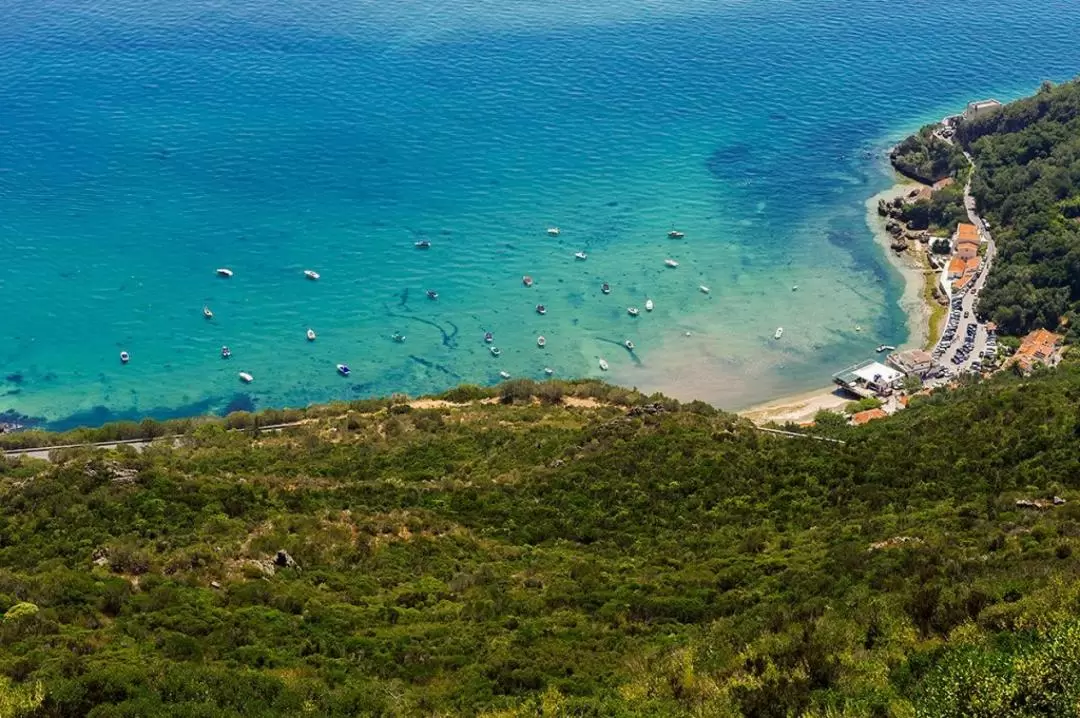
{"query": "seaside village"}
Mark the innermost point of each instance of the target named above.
(957, 267)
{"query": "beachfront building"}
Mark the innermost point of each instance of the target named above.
(868, 378)
(956, 268)
(980, 108)
(914, 362)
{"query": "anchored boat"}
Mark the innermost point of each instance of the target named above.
(541, 309)
(779, 333)
(343, 369)
(581, 255)
(605, 288)
(422, 244)
(495, 351)
(553, 231)
(226, 352)
(207, 313)
(124, 357)
(246, 378)
(629, 345)
(671, 263)
(527, 280)
(311, 274)
(675, 234)
(541, 342)
(648, 305)
(632, 311)
(223, 272)
(432, 294)
(311, 335)
(603, 365)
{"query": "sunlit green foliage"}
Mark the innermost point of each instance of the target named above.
(539, 559)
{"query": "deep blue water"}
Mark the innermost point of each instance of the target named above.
(144, 144)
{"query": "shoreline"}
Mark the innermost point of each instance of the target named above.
(915, 301)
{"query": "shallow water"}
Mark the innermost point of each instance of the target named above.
(143, 144)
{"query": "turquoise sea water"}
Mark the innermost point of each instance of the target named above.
(144, 144)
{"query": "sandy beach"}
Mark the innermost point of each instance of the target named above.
(800, 408)
(910, 265)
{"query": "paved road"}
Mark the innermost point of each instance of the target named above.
(968, 299)
(43, 452)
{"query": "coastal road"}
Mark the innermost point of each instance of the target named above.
(970, 298)
(44, 452)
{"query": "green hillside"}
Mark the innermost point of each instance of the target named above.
(1027, 183)
(540, 559)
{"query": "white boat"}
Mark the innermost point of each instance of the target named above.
(541, 309)
(548, 370)
(671, 263)
(343, 369)
(311, 274)
(223, 272)
(603, 365)
(504, 374)
(795, 288)
(226, 352)
(629, 345)
(495, 351)
(311, 335)
(541, 342)
(581, 255)
(704, 289)
(648, 305)
(885, 348)
(398, 337)
(207, 313)
(632, 311)
(779, 333)
(124, 357)
(858, 328)
(422, 244)
(553, 231)
(246, 378)
(675, 234)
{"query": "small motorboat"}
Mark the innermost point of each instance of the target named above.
(504, 374)
(226, 352)
(629, 345)
(648, 305)
(603, 365)
(311, 335)
(779, 333)
(246, 378)
(671, 263)
(795, 287)
(675, 234)
(124, 357)
(432, 294)
(311, 274)
(548, 370)
(632, 311)
(343, 369)
(541, 342)
(581, 255)
(553, 231)
(704, 289)
(223, 272)
(494, 351)
(527, 280)
(605, 288)
(858, 328)
(398, 337)
(422, 244)
(541, 309)
(885, 348)
(489, 337)
(207, 313)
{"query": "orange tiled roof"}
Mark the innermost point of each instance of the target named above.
(962, 282)
(967, 232)
(957, 265)
(1039, 344)
(972, 264)
(869, 415)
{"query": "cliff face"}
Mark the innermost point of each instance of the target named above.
(450, 558)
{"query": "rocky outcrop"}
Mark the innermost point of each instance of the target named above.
(284, 560)
(1039, 504)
